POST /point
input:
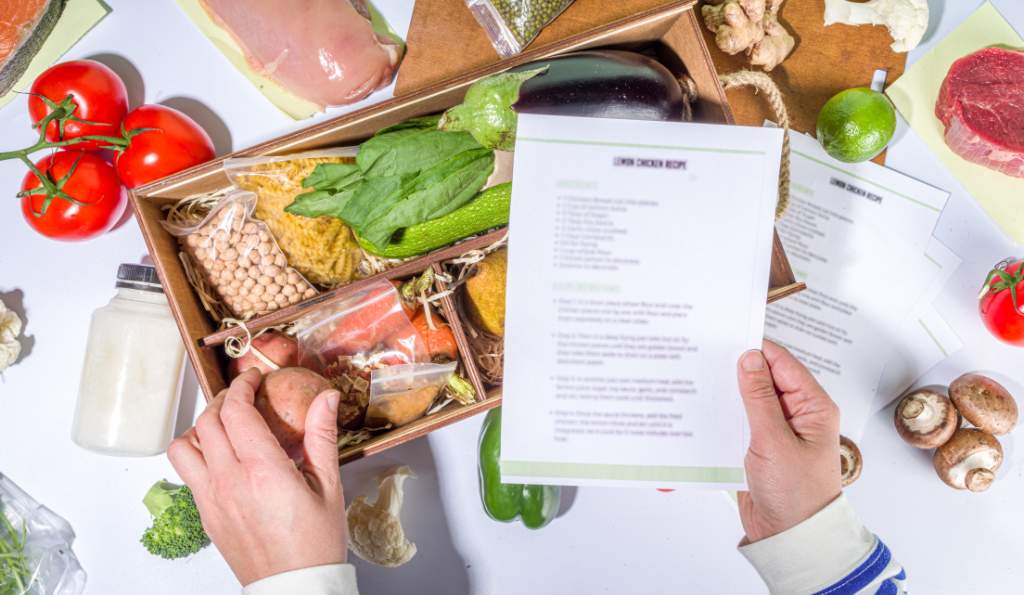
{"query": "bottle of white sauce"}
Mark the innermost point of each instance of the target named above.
(128, 397)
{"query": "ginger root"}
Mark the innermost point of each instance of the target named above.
(751, 26)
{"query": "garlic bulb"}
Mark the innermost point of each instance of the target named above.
(10, 328)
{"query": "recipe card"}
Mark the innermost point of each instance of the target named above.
(638, 274)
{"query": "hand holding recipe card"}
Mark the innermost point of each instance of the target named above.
(638, 275)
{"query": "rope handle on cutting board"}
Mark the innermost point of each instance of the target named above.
(764, 83)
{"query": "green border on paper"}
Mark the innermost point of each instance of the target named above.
(558, 141)
(863, 179)
(623, 472)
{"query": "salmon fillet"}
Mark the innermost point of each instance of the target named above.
(324, 51)
(24, 26)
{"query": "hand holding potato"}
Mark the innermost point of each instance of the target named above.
(793, 461)
(265, 515)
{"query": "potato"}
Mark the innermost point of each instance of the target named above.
(400, 408)
(284, 399)
(279, 348)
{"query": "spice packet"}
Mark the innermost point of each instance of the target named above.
(234, 262)
(402, 394)
(511, 25)
(323, 249)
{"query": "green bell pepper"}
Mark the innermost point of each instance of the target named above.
(535, 505)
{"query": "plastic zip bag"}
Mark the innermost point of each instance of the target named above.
(349, 339)
(236, 263)
(40, 560)
(402, 394)
(511, 25)
(324, 249)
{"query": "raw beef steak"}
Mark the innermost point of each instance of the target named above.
(981, 105)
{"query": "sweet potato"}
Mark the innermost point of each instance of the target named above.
(279, 348)
(400, 408)
(284, 399)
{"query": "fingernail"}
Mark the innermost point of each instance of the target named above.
(333, 399)
(752, 361)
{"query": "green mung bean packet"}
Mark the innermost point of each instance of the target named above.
(512, 24)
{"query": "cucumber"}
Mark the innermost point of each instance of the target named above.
(489, 209)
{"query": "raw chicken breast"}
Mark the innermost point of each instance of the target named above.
(324, 51)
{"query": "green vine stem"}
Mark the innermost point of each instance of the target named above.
(999, 279)
(62, 113)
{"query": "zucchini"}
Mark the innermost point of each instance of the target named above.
(489, 209)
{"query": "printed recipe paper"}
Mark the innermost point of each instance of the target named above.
(638, 273)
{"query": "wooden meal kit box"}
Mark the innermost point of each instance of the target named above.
(671, 31)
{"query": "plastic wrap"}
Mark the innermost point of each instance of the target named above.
(347, 340)
(236, 261)
(403, 394)
(36, 547)
(323, 249)
(511, 25)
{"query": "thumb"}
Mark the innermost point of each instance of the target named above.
(320, 443)
(764, 411)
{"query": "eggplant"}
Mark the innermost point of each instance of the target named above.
(596, 83)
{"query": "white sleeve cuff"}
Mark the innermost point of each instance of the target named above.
(814, 554)
(331, 579)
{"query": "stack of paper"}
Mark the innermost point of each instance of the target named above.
(860, 236)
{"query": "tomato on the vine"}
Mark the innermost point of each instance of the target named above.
(1002, 302)
(99, 95)
(168, 141)
(80, 198)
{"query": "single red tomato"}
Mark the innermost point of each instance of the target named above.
(99, 94)
(90, 201)
(1002, 301)
(173, 143)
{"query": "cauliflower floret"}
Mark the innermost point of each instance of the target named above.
(375, 531)
(10, 328)
(907, 20)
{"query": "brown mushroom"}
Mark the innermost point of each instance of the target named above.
(969, 460)
(926, 418)
(985, 403)
(850, 461)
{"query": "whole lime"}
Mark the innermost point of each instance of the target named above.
(856, 125)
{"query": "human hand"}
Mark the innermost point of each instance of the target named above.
(793, 460)
(264, 515)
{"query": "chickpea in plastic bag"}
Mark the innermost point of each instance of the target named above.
(346, 340)
(35, 547)
(322, 249)
(236, 262)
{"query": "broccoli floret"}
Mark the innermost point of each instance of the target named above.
(177, 530)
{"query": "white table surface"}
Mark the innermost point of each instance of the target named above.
(614, 541)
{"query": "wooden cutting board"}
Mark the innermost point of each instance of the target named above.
(826, 60)
(445, 40)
